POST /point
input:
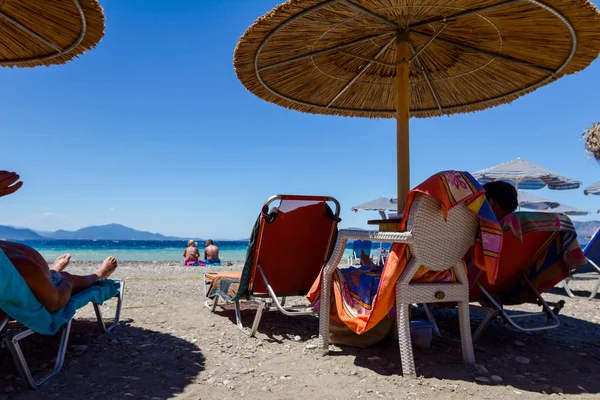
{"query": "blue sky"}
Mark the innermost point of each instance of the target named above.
(153, 130)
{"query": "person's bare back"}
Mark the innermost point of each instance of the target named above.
(211, 252)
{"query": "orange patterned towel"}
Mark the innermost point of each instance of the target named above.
(360, 307)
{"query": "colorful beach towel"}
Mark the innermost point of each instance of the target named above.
(555, 261)
(360, 302)
(234, 286)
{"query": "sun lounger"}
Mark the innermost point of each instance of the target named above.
(26, 316)
(357, 246)
(591, 272)
(288, 247)
(538, 251)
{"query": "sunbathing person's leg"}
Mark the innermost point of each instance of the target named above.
(365, 260)
(81, 283)
(52, 293)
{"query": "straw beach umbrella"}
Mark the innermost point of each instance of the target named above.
(592, 140)
(47, 32)
(402, 58)
(526, 175)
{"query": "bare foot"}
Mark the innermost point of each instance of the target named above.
(61, 262)
(107, 268)
(365, 260)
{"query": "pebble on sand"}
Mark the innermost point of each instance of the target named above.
(481, 369)
(522, 360)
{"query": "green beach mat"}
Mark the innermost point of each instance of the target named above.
(19, 302)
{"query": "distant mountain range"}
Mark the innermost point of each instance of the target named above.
(104, 232)
(585, 229)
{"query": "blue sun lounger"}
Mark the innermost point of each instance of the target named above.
(25, 315)
(590, 272)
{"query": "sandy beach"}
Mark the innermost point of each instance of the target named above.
(169, 346)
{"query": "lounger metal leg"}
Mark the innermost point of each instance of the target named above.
(489, 317)
(257, 318)
(117, 312)
(211, 305)
(436, 329)
(595, 290)
(565, 284)
(290, 311)
(552, 320)
(21, 362)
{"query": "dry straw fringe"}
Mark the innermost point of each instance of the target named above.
(463, 81)
(56, 21)
(592, 140)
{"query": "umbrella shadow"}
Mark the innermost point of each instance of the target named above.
(563, 360)
(273, 324)
(129, 362)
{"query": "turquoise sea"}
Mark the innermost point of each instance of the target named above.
(141, 250)
(135, 250)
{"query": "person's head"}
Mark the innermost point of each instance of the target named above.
(209, 242)
(192, 243)
(502, 197)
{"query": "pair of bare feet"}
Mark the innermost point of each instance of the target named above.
(106, 269)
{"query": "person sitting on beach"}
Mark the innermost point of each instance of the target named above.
(50, 285)
(191, 254)
(211, 253)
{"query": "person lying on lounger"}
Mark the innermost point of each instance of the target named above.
(503, 198)
(51, 285)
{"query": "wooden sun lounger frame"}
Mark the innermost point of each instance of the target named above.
(11, 340)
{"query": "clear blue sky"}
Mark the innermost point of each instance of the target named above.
(153, 130)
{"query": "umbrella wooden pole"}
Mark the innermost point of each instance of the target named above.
(402, 116)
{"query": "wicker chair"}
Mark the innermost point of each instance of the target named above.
(434, 243)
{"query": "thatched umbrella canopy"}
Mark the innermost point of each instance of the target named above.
(46, 32)
(592, 140)
(401, 58)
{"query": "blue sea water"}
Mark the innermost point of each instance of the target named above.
(136, 250)
(141, 250)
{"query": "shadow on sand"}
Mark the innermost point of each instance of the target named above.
(131, 362)
(274, 325)
(563, 360)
